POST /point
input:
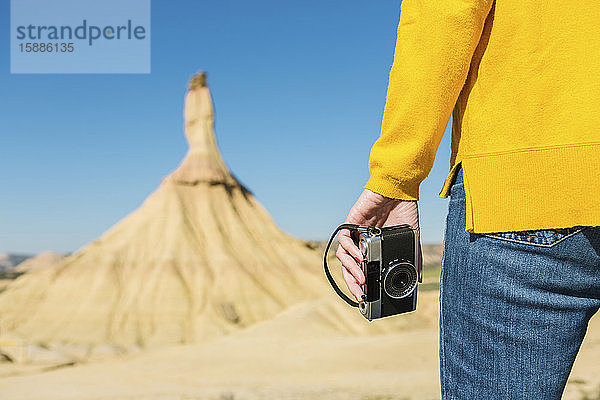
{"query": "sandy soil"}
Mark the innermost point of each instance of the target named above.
(288, 357)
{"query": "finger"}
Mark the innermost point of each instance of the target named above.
(350, 265)
(354, 287)
(346, 242)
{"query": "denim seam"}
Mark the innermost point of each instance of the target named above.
(491, 235)
(442, 345)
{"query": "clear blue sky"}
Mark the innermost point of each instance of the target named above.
(299, 89)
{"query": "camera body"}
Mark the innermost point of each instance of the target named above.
(392, 269)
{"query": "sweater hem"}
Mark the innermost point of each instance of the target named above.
(541, 188)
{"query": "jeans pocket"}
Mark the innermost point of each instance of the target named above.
(538, 237)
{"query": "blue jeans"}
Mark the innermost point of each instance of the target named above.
(514, 307)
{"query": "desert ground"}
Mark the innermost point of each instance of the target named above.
(296, 355)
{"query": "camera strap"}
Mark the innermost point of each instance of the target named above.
(352, 227)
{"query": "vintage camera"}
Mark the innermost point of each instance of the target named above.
(391, 265)
(392, 269)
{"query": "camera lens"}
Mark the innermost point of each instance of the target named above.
(400, 280)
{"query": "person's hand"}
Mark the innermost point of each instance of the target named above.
(371, 209)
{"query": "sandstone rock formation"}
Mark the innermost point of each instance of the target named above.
(198, 259)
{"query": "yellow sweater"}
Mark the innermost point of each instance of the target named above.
(523, 80)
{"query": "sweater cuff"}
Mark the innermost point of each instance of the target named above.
(393, 188)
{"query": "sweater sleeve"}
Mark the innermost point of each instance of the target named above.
(435, 43)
